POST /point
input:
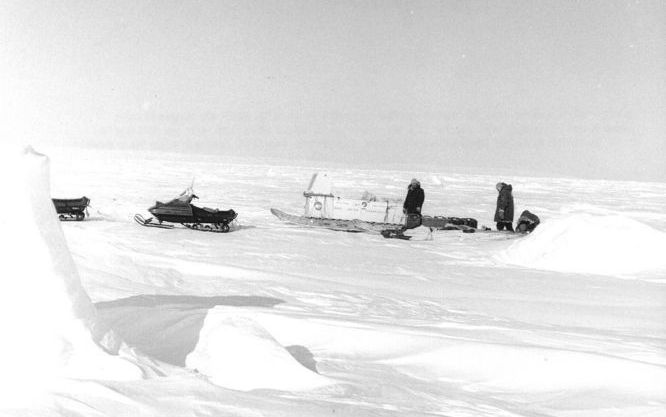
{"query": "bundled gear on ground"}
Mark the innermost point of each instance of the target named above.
(527, 222)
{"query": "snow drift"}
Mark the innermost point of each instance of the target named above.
(48, 322)
(534, 369)
(237, 352)
(585, 243)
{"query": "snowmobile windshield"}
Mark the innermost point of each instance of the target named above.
(185, 197)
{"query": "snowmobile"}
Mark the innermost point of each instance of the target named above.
(181, 210)
(71, 208)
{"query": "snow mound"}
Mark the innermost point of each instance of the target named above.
(48, 322)
(584, 243)
(238, 353)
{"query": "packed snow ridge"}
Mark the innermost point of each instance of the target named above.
(48, 321)
(587, 243)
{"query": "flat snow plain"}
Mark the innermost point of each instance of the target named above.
(274, 319)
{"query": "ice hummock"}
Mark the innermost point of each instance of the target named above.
(48, 321)
(590, 243)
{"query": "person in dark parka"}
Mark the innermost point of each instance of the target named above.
(504, 210)
(413, 203)
(414, 200)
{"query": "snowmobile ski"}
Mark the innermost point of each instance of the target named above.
(149, 222)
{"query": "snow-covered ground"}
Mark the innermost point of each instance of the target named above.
(273, 319)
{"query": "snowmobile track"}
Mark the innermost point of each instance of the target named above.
(212, 227)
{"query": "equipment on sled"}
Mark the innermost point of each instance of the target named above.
(320, 203)
(71, 208)
(324, 209)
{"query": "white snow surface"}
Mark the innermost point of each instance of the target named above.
(591, 243)
(274, 319)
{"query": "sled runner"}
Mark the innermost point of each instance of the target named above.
(333, 224)
(71, 209)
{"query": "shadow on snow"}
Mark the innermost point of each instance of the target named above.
(167, 327)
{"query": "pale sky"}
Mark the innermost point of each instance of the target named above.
(570, 88)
